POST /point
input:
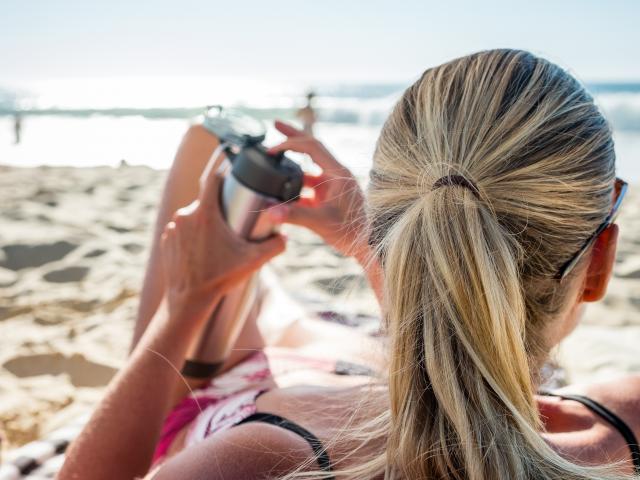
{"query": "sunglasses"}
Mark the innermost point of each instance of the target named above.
(621, 188)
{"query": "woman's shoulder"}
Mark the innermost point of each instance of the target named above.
(256, 449)
(577, 431)
(251, 450)
(620, 395)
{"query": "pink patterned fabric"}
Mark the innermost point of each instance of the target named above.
(224, 402)
(229, 398)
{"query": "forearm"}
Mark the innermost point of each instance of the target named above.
(119, 440)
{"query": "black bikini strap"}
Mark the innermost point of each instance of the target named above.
(609, 417)
(322, 457)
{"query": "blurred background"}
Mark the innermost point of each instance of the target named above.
(95, 97)
(100, 82)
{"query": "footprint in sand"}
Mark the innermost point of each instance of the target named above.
(133, 247)
(46, 197)
(7, 277)
(19, 256)
(8, 311)
(634, 274)
(119, 229)
(82, 372)
(95, 253)
(66, 275)
(630, 268)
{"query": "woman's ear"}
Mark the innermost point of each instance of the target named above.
(603, 256)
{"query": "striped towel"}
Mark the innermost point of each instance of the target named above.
(43, 458)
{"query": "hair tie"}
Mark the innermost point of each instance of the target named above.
(459, 180)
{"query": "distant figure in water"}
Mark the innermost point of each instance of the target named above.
(307, 114)
(17, 127)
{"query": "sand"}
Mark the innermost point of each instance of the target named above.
(73, 246)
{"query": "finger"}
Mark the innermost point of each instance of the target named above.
(307, 201)
(255, 255)
(296, 214)
(292, 143)
(288, 130)
(210, 191)
(312, 181)
(309, 145)
(305, 215)
(211, 177)
(217, 159)
(187, 210)
(166, 243)
(267, 249)
(279, 213)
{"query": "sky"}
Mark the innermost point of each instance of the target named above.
(310, 40)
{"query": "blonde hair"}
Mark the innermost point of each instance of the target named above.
(469, 275)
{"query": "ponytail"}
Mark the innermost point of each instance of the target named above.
(457, 319)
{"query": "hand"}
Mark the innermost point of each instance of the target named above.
(336, 210)
(203, 258)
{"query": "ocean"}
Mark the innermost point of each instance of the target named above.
(103, 121)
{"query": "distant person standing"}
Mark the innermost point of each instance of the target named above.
(307, 114)
(17, 127)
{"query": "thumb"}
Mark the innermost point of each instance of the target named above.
(304, 216)
(267, 249)
(279, 213)
(295, 214)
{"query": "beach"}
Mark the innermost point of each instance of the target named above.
(74, 244)
(73, 247)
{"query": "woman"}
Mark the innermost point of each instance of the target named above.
(490, 210)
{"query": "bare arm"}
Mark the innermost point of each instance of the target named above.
(202, 260)
(120, 438)
(273, 452)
